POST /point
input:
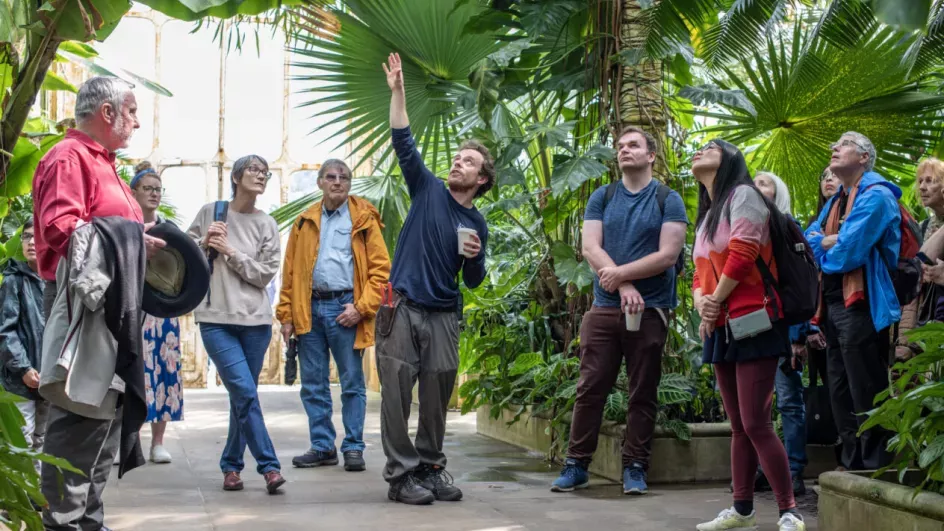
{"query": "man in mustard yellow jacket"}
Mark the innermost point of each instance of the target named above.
(336, 265)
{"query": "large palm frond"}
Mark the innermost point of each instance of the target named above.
(805, 95)
(437, 59)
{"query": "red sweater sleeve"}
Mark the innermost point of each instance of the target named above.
(63, 196)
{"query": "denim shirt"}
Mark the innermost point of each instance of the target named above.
(334, 267)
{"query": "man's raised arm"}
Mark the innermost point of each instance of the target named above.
(415, 173)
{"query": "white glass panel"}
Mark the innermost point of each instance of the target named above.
(254, 98)
(131, 47)
(190, 69)
(306, 146)
(303, 183)
(186, 188)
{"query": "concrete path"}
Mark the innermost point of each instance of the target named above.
(506, 489)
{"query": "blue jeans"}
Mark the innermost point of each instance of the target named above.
(792, 409)
(238, 353)
(313, 359)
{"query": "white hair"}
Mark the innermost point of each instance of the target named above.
(98, 91)
(863, 145)
(781, 192)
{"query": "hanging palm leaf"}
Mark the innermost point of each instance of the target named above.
(807, 94)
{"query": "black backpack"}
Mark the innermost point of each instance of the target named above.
(662, 192)
(798, 276)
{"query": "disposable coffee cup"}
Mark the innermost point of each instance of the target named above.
(465, 235)
(633, 321)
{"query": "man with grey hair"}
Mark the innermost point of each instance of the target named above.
(75, 184)
(336, 266)
(856, 240)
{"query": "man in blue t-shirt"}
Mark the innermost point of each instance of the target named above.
(418, 331)
(633, 234)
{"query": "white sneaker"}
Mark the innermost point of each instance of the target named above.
(731, 520)
(159, 455)
(791, 522)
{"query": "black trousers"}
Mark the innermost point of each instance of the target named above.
(857, 370)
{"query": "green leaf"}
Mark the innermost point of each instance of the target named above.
(92, 20)
(484, 81)
(568, 269)
(705, 94)
(190, 10)
(26, 156)
(907, 14)
(932, 453)
(47, 7)
(555, 134)
(571, 172)
(79, 49)
(54, 81)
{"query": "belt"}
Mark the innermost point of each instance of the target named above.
(427, 309)
(327, 295)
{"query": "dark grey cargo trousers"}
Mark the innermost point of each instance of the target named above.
(421, 346)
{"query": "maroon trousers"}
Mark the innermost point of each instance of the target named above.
(604, 344)
(747, 390)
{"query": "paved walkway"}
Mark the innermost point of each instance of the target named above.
(506, 489)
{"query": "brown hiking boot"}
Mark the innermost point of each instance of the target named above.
(273, 480)
(231, 481)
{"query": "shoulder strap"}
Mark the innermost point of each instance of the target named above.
(610, 192)
(220, 209)
(662, 193)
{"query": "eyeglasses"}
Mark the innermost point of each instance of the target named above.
(846, 142)
(337, 177)
(706, 147)
(152, 189)
(256, 170)
(26, 237)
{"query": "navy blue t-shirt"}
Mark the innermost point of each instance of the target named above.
(632, 225)
(427, 259)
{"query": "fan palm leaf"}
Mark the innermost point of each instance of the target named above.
(345, 73)
(806, 95)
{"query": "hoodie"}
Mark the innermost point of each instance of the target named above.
(21, 327)
(870, 237)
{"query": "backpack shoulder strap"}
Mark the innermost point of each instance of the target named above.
(220, 209)
(662, 193)
(610, 192)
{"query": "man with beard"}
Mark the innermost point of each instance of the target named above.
(75, 183)
(633, 235)
(418, 322)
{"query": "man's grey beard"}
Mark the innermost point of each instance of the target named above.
(116, 130)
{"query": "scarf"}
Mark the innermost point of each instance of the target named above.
(853, 282)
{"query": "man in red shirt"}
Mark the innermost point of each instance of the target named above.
(74, 183)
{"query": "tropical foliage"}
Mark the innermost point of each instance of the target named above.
(913, 409)
(547, 83)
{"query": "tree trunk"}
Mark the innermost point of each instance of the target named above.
(42, 52)
(639, 88)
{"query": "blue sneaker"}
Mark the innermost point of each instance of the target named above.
(634, 480)
(573, 476)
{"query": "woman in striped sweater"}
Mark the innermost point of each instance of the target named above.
(732, 233)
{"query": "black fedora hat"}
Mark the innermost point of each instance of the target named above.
(177, 277)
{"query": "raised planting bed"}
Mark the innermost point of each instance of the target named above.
(705, 458)
(856, 502)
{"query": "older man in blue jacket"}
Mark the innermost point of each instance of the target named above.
(856, 240)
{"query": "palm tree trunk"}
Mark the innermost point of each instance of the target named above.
(639, 88)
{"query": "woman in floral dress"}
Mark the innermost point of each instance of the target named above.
(162, 380)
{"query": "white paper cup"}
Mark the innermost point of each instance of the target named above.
(465, 235)
(633, 321)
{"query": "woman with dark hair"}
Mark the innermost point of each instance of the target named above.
(162, 386)
(236, 316)
(736, 309)
(828, 186)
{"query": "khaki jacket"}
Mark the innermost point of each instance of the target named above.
(371, 268)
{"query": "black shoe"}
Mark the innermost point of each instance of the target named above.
(436, 480)
(354, 461)
(408, 490)
(313, 458)
(799, 487)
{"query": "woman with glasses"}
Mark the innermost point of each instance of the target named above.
(236, 316)
(741, 337)
(162, 385)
